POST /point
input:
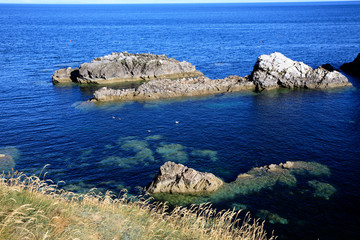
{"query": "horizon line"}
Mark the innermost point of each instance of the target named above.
(179, 2)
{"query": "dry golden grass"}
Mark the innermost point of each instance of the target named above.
(31, 208)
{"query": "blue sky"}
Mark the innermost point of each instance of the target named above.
(153, 1)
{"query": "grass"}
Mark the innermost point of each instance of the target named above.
(32, 208)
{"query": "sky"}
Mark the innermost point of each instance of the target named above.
(151, 1)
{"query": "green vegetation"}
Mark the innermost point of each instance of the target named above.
(32, 208)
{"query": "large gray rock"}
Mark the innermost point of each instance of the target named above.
(276, 70)
(166, 88)
(124, 67)
(177, 178)
(353, 67)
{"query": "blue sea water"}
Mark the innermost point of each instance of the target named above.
(116, 145)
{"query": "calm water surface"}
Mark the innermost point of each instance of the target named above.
(89, 146)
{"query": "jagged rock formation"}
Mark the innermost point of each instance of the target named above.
(177, 178)
(276, 70)
(123, 67)
(353, 67)
(166, 88)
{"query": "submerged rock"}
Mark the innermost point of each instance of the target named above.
(6, 163)
(276, 70)
(177, 178)
(322, 189)
(271, 217)
(166, 88)
(353, 67)
(124, 67)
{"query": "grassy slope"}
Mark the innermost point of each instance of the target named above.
(34, 209)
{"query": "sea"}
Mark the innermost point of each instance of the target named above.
(114, 146)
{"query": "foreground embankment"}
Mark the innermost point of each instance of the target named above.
(34, 209)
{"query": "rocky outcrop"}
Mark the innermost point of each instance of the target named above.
(65, 75)
(124, 67)
(353, 67)
(166, 88)
(270, 71)
(177, 178)
(276, 70)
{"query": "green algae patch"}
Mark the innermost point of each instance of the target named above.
(271, 217)
(112, 160)
(154, 138)
(178, 199)
(145, 155)
(205, 153)
(134, 145)
(312, 168)
(322, 189)
(108, 146)
(122, 162)
(128, 162)
(121, 140)
(172, 152)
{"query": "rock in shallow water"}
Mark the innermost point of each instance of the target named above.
(6, 163)
(177, 178)
(65, 75)
(270, 71)
(276, 70)
(166, 88)
(123, 67)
